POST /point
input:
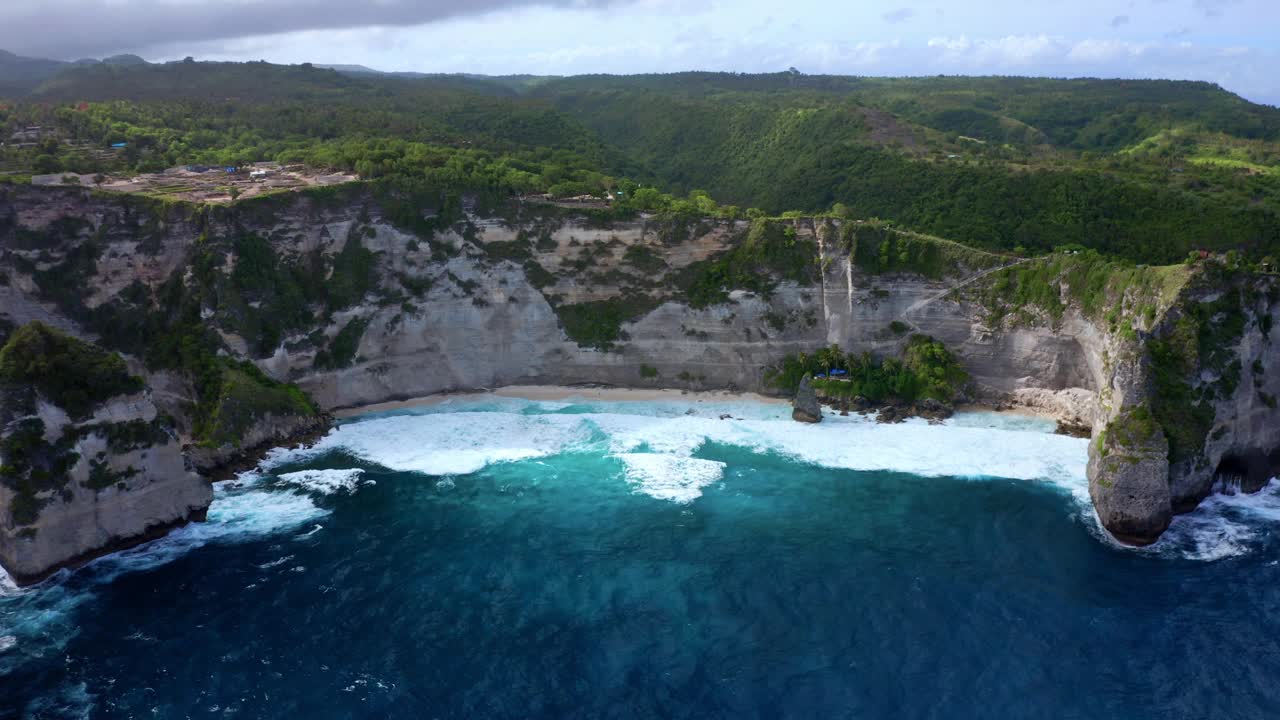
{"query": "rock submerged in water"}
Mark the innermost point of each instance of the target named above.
(805, 407)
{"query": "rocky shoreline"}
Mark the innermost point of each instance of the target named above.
(808, 403)
(225, 463)
(114, 546)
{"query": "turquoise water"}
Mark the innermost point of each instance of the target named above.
(501, 558)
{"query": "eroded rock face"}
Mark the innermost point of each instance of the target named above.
(267, 432)
(128, 484)
(805, 407)
(1129, 483)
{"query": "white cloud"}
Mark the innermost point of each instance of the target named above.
(1093, 50)
(1011, 50)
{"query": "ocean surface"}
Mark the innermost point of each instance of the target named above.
(496, 558)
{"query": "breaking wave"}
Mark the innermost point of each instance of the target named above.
(464, 442)
(40, 620)
(326, 482)
(671, 477)
(1224, 526)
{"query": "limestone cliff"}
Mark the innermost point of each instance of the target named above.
(355, 303)
(87, 465)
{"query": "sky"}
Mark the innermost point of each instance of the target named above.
(1235, 43)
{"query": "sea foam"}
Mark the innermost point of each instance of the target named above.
(445, 443)
(1223, 526)
(460, 443)
(671, 477)
(326, 482)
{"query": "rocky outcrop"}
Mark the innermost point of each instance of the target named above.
(73, 491)
(265, 433)
(1075, 407)
(1188, 407)
(805, 407)
(1129, 478)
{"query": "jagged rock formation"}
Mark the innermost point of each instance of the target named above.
(1188, 405)
(88, 465)
(357, 304)
(805, 407)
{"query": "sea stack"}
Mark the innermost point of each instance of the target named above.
(805, 407)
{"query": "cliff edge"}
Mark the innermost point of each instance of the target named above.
(88, 465)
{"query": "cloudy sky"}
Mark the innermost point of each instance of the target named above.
(1235, 43)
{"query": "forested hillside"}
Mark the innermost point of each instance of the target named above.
(1149, 170)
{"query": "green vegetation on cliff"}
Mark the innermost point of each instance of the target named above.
(878, 248)
(598, 324)
(1126, 296)
(771, 251)
(926, 369)
(244, 397)
(72, 374)
(341, 351)
(30, 465)
(1194, 361)
(1131, 430)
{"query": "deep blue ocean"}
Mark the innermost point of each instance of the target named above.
(510, 559)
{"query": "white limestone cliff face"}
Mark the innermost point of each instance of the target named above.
(152, 493)
(483, 324)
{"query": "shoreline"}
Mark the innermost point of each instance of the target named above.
(561, 393)
(600, 393)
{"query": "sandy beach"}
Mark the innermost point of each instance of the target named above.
(560, 393)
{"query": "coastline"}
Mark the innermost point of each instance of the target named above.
(601, 393)
(561, 393)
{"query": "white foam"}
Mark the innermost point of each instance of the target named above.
(1003, 421)
(275, 563)
(1224, 526)
(326, 482)
(466, 442)
(671, 477)
(41, 619)
(7, 641)
(445, 443)
(8, 587)
(856, 443)
(236, 515)
(303, 536)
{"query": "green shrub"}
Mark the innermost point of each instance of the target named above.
(771, 251)
(644, 259)
(71, 373)
(925, 370)
(598, 324)
(877, 249)
(342, 349)
(1133, 428)
(30, 465)
(244, 397)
